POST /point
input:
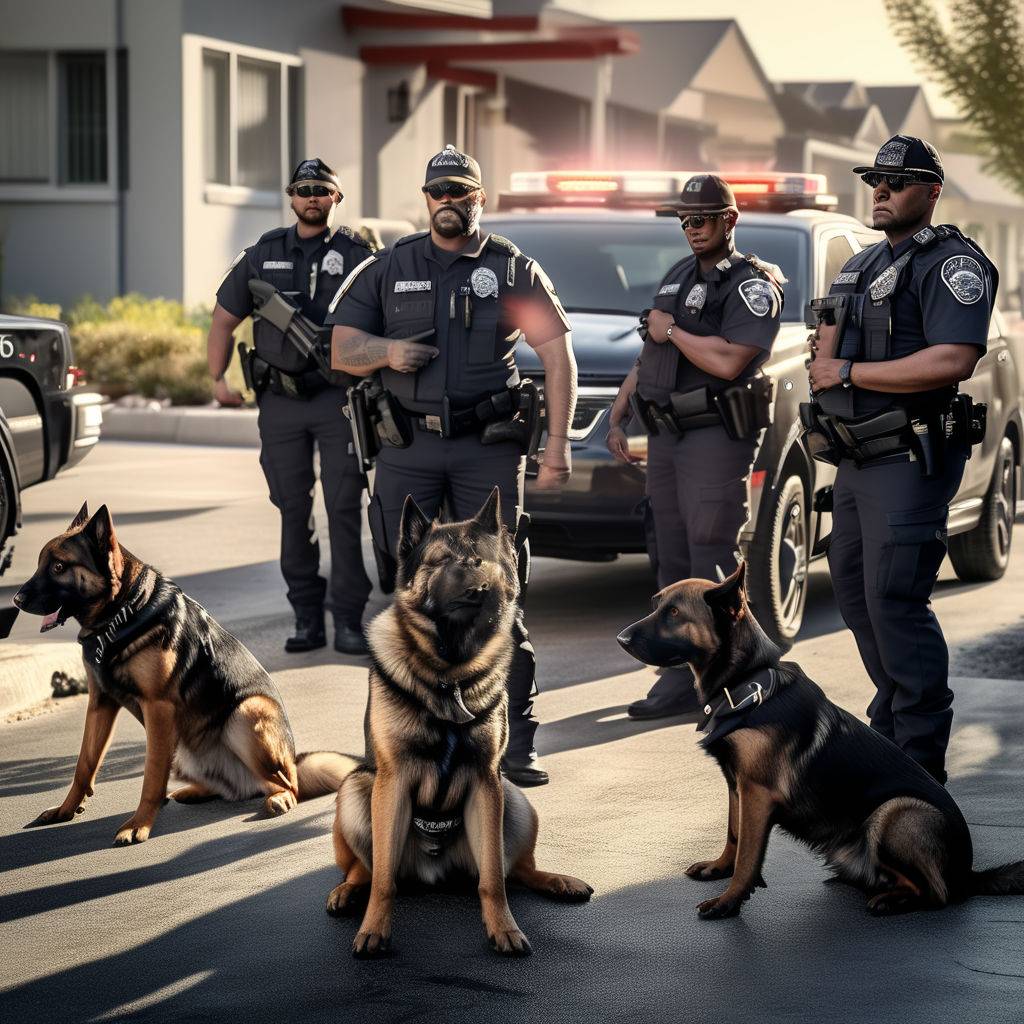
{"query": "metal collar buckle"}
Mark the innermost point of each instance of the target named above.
(756, 696)
(433, 423)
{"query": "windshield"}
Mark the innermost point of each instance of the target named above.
(616, 266)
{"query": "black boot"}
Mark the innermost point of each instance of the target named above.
(349, 638)
(309, 631)
(672, 694)
(524, 769)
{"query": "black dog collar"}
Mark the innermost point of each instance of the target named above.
(736, 702)
(136, 614)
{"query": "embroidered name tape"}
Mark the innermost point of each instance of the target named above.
(669, 289)
(847, 277)
(412, 286)
(278, 265)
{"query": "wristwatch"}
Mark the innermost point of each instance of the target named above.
(668, 331)
(844, 374)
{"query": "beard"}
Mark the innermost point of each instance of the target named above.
(314, 216)
(468, 215)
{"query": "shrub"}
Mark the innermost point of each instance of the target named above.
(30, 305)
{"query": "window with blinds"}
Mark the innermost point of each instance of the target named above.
(24, 117)
(83, 118)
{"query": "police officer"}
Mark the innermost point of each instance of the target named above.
(299, 405)
(476, 294)
(696, 391)
(921, 303)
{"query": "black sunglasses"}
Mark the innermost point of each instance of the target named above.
(895, 182)
(306, 191)
(697, 220)
(455, 189)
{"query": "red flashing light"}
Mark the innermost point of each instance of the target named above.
(758, 477)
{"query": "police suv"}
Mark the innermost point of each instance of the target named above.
(597, 236)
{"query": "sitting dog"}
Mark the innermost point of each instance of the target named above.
(794, 759)
(206, 703)
(429, 801)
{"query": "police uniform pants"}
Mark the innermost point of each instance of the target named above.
(697, 486)
(888, 541)
(289, 428)
(465, 471)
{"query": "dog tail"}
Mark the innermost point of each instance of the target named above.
(1006, 880)
(322, 771)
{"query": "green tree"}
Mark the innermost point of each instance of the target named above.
(976, 56)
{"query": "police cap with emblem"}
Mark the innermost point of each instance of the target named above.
(907, 155)
(313, 172)
(451, 165)
(705, 193)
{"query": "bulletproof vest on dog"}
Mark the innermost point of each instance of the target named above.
(309, 288)
(463, 304)
(697, 307)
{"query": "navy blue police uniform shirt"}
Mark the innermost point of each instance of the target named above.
(740, 305)
(934, 304)
(529, 305)
(318, 266)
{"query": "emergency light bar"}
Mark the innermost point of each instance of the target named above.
(659, 190)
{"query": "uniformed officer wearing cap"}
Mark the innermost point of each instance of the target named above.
(714, 320)
(299, 407)
(922, 301)
(475, 294)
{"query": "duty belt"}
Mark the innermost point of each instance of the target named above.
(459, 422)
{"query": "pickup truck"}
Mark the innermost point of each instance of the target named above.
(47, 421)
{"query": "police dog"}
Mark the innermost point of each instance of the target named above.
(209, 708)
(793, 758)
(429, 803)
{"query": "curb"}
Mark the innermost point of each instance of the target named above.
(26, 669)
(231, 427)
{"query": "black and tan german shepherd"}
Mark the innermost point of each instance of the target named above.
(794, 759)
(209, 708)
(429, 803)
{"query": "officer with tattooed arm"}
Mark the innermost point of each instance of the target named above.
(905, 321)
(438, 315)
(287, 280)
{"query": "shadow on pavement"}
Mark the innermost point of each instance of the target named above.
(40, 775)
(593, 728)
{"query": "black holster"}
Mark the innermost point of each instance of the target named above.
(523, 427)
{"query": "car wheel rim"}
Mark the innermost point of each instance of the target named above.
(792, 565)
(1005, 502)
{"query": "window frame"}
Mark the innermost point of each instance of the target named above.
(52, 189)
(231, 194)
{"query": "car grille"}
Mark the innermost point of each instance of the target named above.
(591, 404)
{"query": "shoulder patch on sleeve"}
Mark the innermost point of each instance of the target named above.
(347, 283)
(757, 295)
(963, 276)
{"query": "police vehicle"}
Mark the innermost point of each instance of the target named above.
(597, 237)
(48, 420)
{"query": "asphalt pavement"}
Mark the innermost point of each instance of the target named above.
(220, 916)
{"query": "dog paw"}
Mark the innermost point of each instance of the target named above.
(368, 945)
(131, 833)
(344, 899)
(566, 889)
(708, 870)
(899, 901)
(53, 815)
(722, 906)
(279, 803)
(510, 942)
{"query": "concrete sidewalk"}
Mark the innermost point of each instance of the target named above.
(182, 425)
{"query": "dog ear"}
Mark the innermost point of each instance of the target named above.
(81, 519)
(730, 595)
(100, 530)
(413, 528)
(489, 516)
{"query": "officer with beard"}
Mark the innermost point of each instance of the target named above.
(300, 407)
(468, 296)
(697, 392)
(888, 414)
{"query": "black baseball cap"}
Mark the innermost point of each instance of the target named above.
(705, 193)
(905, 154)
(313, 171)
(451, 165)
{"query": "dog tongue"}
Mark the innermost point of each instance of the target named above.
(50, 621)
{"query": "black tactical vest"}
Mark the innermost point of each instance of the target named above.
(308, 286)
(463, 305)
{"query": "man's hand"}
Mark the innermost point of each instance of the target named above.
(410, 356)
(822, 340)
(823, 373)
(658, 322)
(555, 467)
(226, 395)
(618, 445)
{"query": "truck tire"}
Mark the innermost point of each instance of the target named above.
(777, 562)
(984, 552)
(8, 501)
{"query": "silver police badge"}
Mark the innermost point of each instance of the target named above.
(697, 296)
(334, 263)
(757, 296)
(962, 275)
(484, 282)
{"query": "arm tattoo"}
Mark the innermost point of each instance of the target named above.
(361, 349)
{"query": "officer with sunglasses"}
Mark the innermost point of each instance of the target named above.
(299, 407)
(697, 393)
(886, 411)
(439, 315)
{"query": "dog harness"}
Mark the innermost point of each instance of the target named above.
(731, 710)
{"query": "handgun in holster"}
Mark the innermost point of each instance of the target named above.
(364, 436)
(255, 371)
(640, 409)
(523, 427)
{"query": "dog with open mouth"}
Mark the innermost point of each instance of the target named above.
(210, 710)
(794, 759)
